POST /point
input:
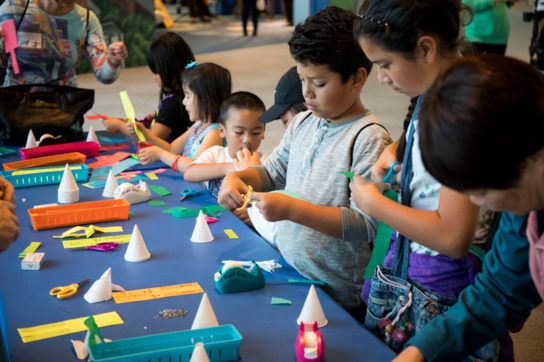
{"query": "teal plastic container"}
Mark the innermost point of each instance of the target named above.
(222, 343)
(44, 175)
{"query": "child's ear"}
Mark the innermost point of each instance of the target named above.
(359, 78)
(222, 131)
(428, 48)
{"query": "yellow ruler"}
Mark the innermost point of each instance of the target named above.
(156, 293)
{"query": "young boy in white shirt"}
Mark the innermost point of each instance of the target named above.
(240, 126)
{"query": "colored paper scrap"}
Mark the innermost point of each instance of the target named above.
(161, 191)
(183, 213)
(172, 209)
(106, 139)
(347, 174)
(231, 234)
(88, 231)
(45, 331)
(6, 151)
(305, 281)
(99, 172)
(151, 176)
(131, 115)
(96, 116)
(81, 243)
(212, 210)
(119, 146)
(123, 165)
(156, 293)
(280, 301)
(109, 160)
(158, 170)
(32, 247)
(156, 203)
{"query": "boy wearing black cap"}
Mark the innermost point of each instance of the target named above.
(288, 100)
(322, 234)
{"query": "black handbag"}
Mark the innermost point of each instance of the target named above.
(42, 108)
(53, 109)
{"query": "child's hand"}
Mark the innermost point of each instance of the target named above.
(366, 193)
(149, 154)
(230, 194)
(113, 125)
(131, 132)
(245, 159)
(384, 163)
(274, 206)
(243, 215)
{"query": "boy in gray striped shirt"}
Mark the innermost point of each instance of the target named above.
(322, 235)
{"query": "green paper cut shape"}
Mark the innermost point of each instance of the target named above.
(93, 331)
(172, 209)
(161, 191)
(347, 174)
(156, 203)
(179, 214)
(305, 281)
(382, 241)
(135, 156)
(131, 212)
(280, 301)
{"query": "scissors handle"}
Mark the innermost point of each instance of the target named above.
(390, 174)
(64, 292)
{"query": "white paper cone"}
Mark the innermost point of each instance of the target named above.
(68, 191)
(30, 140)
(100, 290)
(199, 353)
(91, 136)
(201, 233)
(111, 185)
(205, 317)
(136, 250)
(312, 311)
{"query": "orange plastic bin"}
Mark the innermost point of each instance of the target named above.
(79, 213)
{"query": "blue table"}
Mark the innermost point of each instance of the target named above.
(268, 331)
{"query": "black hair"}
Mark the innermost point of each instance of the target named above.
(397, 25)
(167, 56)
(326, 38)
(211, 85)
(481, 121)
(297, 108)
(241, 100)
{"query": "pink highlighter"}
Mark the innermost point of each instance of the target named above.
(10, 42)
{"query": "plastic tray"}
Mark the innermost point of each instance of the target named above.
(43, 175)
(71, 158)
(79, 213)
(222, 343)
(90, 149)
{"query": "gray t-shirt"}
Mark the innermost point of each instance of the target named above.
(307, 160)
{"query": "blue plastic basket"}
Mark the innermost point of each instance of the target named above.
(222, 343)
(43, 175)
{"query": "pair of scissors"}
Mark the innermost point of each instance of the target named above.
(68, 290)
(390, 174)
(108, 246)
(247, 198)
(187, 193)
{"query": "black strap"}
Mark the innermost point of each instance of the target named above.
(22, 16)
(352, 146)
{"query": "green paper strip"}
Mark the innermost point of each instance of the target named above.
(305, 281)
(179, 214)
(347, 174)
(156, 203)
(212, 210)
(381, 243)
(172, 209)
(280, 301)
(32, 247)
(161, 191)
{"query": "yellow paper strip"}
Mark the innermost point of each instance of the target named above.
(80, 243)
(26, 172)
(131, 115)
(108, 229)
(45, 331)
(89, 231)
(231, 234)
(87, 185)
(152, 176)
(156, 293)
(32, 247)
